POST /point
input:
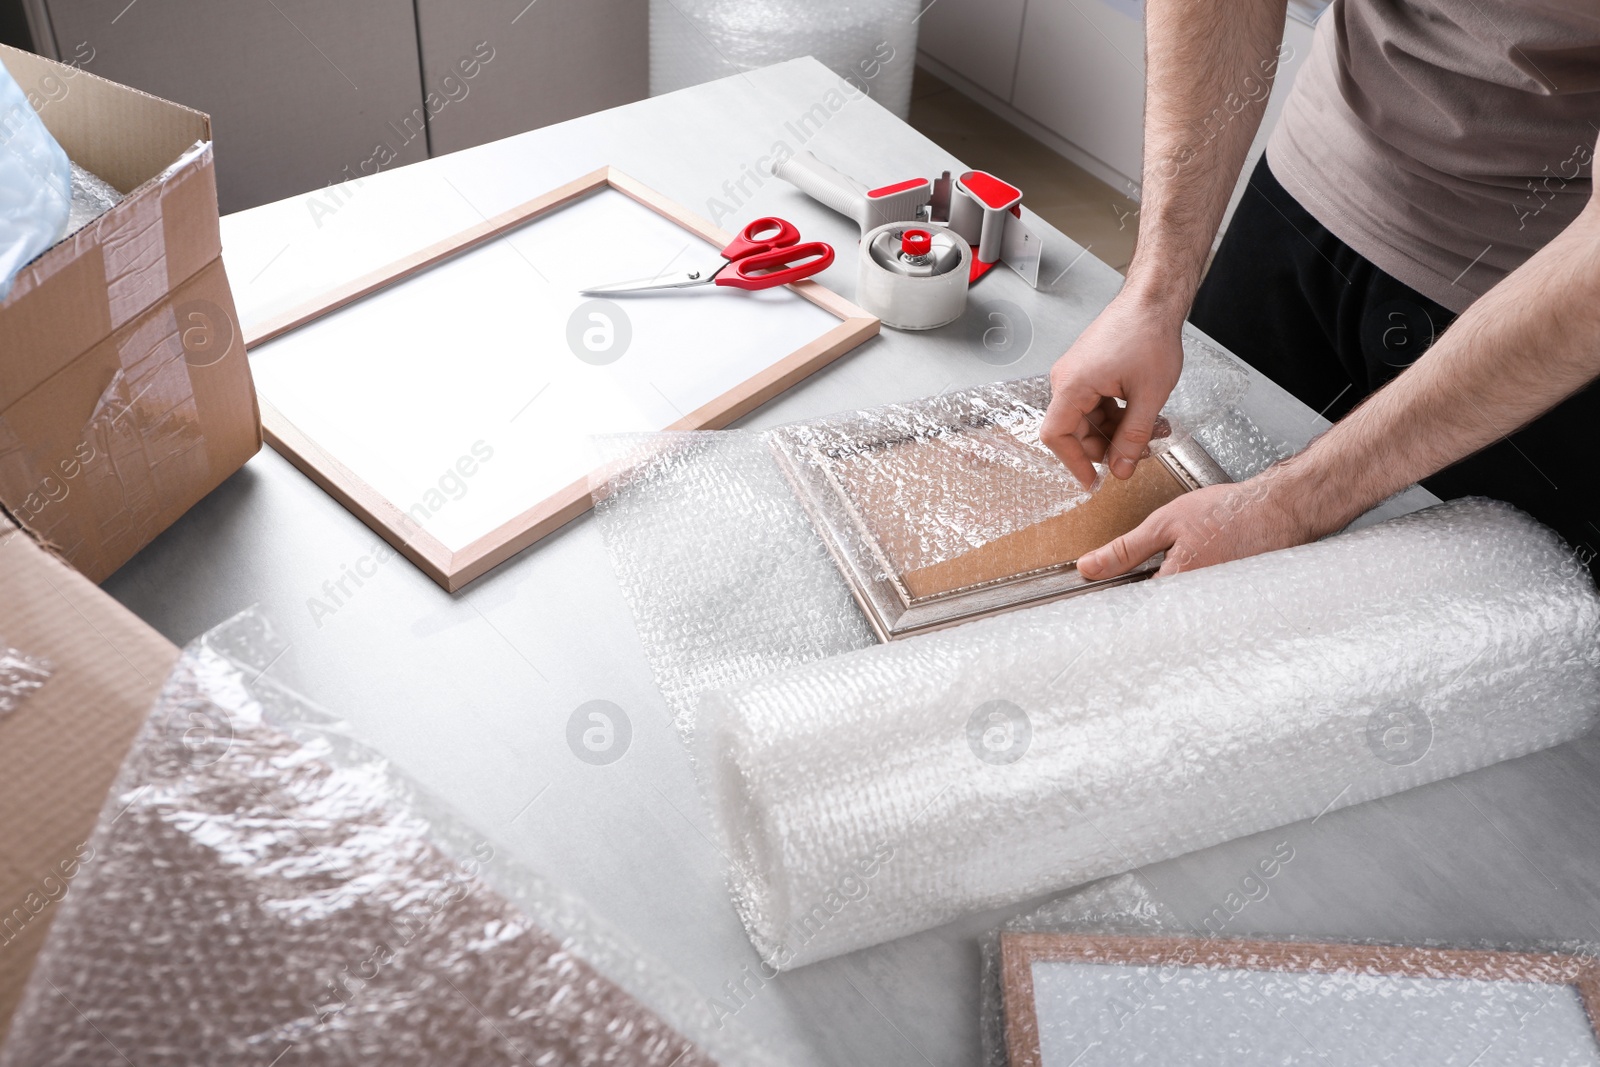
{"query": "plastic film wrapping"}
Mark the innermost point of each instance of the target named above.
(1114, 976)
(725, 575)
(978, 470)
(724, 570)
(260, 889)
(92, 196)
(986, 438)
(35, 183)
(1122, 904)
(1239, 446)
(20, 675)
(1036, 750)
(872, 45)
(141, 448)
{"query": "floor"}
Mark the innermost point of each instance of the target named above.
(1071, 199)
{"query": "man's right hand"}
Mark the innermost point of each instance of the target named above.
(1130, 353)
(1197, 55)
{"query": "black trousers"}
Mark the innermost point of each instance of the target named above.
(1316, 317)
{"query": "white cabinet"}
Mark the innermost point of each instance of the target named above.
(1081, 74)
(546, 63)
(302, 93)
(977, 39)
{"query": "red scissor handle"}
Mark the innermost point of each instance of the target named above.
(762, 235)
(778, 266)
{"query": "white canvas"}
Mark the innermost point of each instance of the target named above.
(410, 399)
(1093, 1014)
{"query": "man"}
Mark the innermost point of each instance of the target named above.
(1432, 168)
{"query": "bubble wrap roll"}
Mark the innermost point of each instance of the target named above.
(886, 791)
(870, 44)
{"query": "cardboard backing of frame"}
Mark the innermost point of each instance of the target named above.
(1116, 509)
(933, 473)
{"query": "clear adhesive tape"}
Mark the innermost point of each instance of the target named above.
(905, 301)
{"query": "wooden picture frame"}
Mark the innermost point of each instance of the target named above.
(1028, 566)
(454, 569)
(1020, 951)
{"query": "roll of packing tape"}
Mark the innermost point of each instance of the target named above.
(913, 277)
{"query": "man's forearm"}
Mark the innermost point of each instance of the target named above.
(1209, 68)
(1519, 350)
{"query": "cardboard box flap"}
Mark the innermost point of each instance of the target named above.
(125, 136)
(61, 747)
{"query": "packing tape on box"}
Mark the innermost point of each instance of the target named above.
(261, 887)
(141, 445)
(130, 244)
(148, 405)
(886, 791)
(134, 245)
(92, 196)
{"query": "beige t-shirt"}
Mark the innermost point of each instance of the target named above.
(1445, 140)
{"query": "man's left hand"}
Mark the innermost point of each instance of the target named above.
(1208, 526)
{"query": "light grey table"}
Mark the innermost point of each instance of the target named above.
(471, 693)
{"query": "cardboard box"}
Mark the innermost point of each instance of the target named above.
(62, 744)
(125, 393)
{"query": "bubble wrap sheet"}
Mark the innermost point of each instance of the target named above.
(724, 570)
(20, 675)
(92, 196)
(262, 890)
(978, 458)
(873, 794)
(870, 43)
(1132, 983)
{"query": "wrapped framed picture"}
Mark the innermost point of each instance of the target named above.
(951, 510)
(1091, 1000)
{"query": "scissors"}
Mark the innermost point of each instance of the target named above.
(767, 253)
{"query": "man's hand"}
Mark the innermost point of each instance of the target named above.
(1211, 525)
(1520, 349)
(1130, 353)
(1197, 54)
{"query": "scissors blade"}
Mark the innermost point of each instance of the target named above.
(674, 280)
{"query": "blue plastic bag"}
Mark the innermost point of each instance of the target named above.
(35, 184)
